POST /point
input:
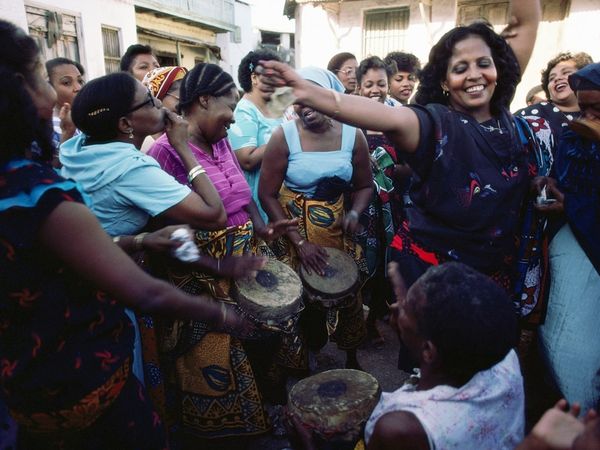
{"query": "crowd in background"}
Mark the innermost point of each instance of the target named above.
(474, 231)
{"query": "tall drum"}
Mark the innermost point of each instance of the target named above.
(272, 297)
(335, 404)
(339, 282)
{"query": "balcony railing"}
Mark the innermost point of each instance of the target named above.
(218, 14)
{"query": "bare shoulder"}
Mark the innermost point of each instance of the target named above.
(399, 430)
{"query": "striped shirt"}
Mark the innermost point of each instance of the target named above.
(222, 169)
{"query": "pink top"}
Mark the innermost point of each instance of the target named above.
(222, 169)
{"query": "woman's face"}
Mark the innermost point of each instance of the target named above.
(67, 82)
(310, 118)
(558, 83)
(146, 115)
(402, 85)
(347, 74)
(142, 64)
(171, 98)
(471, 77)
(220, 113)
(41, 92)
(374, 84)
(258, 85)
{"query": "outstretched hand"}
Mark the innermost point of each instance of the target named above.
(276, 229)
(160, 241)
(278, 74)
(240, 266)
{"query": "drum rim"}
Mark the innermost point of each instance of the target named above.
(314, 292)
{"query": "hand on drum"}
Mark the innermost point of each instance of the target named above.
(313, 257)
(240, 266)
(276, 229)
(299, 436)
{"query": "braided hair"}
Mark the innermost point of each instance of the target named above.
(509, 73)
(204, 79)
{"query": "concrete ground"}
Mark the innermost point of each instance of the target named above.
(379, 361)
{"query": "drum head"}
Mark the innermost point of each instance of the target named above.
(275, 292)
(341, 275)
(336, 403)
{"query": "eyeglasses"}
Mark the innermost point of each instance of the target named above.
(349, 71)
(148, 101)
(176, 97)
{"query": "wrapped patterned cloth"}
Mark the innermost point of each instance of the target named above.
(159, 80)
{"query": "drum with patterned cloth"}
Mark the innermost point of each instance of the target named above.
(272, 297)
(335, 404)
(337, 285)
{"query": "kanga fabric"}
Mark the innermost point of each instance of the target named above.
(211, 386)
(486, 413)
(65, 347)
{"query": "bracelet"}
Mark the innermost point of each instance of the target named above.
(353, 214)
(223, 313)
(194, 172)
(116, 239)
(337, 98)
(138, 241)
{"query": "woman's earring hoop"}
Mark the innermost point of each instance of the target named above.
(131, 133)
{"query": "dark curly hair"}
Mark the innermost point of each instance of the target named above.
(20, 124)
(204, 79)
(405, 62)
(372, 62)
(434, 72)
(580, 59)
(337, 61)
(131, 53)
(100, 104)
(249, 64)
(467, 316)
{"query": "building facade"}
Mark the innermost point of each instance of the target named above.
(375, 27)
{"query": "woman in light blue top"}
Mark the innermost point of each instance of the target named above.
(311, 165)
(253, 122)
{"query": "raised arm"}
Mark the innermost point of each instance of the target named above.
(522, 28)
(400, 124)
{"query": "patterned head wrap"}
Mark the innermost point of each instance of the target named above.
(159, 80)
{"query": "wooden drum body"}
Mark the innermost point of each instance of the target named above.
(273, 297)
(339, 283)
(335, 404)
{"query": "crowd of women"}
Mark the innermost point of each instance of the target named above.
(108, 341)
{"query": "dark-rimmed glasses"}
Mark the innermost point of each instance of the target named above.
(149, 100)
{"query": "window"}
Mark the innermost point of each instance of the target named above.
(56, 33)
(112, 50)
(384, 30)
(495, 12)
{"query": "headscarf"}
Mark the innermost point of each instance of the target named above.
(160, 80)
(586, 79)
(322, 77)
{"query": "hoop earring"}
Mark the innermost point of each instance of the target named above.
(131, 133)
(446, 93)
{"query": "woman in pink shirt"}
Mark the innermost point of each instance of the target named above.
(214, 368)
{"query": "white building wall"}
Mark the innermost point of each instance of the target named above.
(231, 52)
(93, 14)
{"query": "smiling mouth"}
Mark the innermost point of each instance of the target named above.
(560, 87)
(473, 89)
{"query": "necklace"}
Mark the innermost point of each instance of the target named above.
(492, 128)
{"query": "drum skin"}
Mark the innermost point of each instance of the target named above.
(335, 404)
(274, 294)
(340, 280)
